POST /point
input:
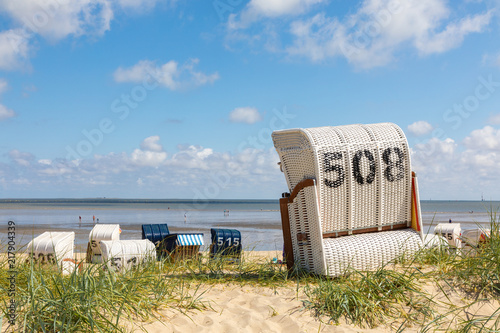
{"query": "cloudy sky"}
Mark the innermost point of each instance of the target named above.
(177, 99)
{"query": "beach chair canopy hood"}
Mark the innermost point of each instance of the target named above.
(52, 246)
(155, 232)
(366, 168)
(102, 232)
(345, 179)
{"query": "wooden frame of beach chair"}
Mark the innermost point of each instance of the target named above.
(353, 201)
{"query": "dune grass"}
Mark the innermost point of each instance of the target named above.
(369, 299)
(96, 299)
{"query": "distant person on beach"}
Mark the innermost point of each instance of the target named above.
(93, 218)
(450, 221)
(80, 219)
(185, 217)
(97, 220)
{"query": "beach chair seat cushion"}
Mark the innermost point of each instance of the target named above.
(368, 251)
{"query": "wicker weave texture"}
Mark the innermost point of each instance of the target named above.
(363, 172)
(368, 251)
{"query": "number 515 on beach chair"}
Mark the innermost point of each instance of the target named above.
(353, 199)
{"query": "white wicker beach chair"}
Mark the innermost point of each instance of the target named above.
(353, 201)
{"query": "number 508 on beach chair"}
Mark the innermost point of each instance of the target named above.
(353, 200)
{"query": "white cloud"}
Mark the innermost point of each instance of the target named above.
(21, 158)
(420, 128)
(56, 19)
(14, 49)
(257, 9)
(434, 155)
(151, 153)
(148, 158)
(45, 162)
(246, 115)
(461, 171)
(152, 144)
(6, 113)
(170, 74)
(487, 138)
(192, 157)
(369, 37)
(453, 35)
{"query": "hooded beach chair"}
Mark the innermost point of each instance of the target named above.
(54, 248)
(122, 255)
(99, 233)
(353, 199)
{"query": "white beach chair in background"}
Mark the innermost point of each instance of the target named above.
(122, 255)
(353, 201)
(54, 248)
(452, 232)
(100, 232)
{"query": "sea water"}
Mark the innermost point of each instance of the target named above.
(258, 221)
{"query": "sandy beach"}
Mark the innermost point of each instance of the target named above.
(257, 309)
(247, 308)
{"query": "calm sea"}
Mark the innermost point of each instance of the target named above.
(258, 220)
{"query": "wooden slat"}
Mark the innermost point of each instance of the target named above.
(365, 231)
(287, 236)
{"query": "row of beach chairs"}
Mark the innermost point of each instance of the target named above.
(105, 246)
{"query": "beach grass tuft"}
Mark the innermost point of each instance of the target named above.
(368, 299)
(96, 299)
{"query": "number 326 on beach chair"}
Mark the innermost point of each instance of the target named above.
(353, 201)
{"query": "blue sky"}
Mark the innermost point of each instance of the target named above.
(177, 99)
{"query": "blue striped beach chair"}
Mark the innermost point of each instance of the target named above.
(182, 246)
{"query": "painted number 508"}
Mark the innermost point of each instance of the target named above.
(394, 170)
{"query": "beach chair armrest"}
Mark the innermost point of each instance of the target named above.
(300, 186)
(299, 212)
